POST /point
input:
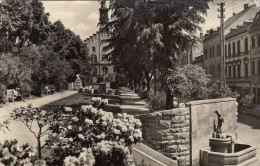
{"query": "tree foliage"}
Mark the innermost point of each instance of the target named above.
(160, 33)
(35, 52)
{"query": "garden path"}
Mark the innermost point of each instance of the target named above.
(17, 129)
(131, 103)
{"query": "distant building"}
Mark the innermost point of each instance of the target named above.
(255, 57)
(189, 56)
(211, 43)
(237, 51)
(95, 44)
(198, 61)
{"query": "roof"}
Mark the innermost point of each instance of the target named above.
(256, 22)
(239, 30)
(238, 19)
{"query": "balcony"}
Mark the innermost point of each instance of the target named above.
(238, 80)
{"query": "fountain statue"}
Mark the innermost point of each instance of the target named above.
(77, 83)
(220, 121)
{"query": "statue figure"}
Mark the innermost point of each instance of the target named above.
(77, 77)
(220, 121)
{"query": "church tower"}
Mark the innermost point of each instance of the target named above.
(103, 18)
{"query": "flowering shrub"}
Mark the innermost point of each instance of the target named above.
(86, 157)
(11, 154)
(99, 102)
(109, 138)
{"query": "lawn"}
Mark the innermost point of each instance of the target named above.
(79, 99)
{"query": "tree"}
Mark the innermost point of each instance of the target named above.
(159, 35)
(16, 24)
(186, 82)
(30, 116)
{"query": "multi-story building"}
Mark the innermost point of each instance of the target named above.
(255, 57)
(237, 52)
(198, 61)
(211, 43)
(95, 44)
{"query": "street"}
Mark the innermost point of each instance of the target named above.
(249, 132)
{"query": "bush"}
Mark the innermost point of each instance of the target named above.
(87, 91)
(117, 92)
(2, 94)
(80, 90)
(143, 94)
(244, 102)
(12, 154)
(109, 92)
(157, 101)
(109, 138)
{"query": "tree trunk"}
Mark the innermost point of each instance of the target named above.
(39, 148)
(148, 81)
(169, 100)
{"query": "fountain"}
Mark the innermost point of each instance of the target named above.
(223, 149)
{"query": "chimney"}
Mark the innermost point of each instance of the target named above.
(245, 6)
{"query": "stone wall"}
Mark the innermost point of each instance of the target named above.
(203, 118)
(168, 132)
(183, 132)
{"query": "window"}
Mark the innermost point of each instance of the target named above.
(94, 70)
(105, 70)
(238, 47)
(219, 50)
(258, 67)
(229, 50)
(234, 71)
(213, 70)
(229, 71)
(234, 49)
(246, 69)
(246, 45)
(219, 70)
(226, 71)
(253, 41)
(238, 70)
(93, 59)
(93, 49)
(253, 67)
(206, 53)
(210, 52)
(213, 51)
(226, 55)
(258, 40)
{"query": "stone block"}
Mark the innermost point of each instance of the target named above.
(165, 123)
(178, 119)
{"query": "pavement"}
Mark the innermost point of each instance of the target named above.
(249, 132)
(17, 129)
(131, 103)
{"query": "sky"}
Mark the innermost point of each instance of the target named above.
(82, 16)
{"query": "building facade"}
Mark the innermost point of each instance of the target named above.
(101, 66)
(237, 52)
(211, 43)
(255, 58)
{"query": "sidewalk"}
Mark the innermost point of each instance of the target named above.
(17, 129)
(131, 103)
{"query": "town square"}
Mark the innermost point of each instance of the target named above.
(130, 83)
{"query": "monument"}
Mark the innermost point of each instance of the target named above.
(77, 83)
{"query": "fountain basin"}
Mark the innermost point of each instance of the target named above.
(223, 145)
(243, 155)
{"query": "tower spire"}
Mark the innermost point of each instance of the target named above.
(103, 18)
